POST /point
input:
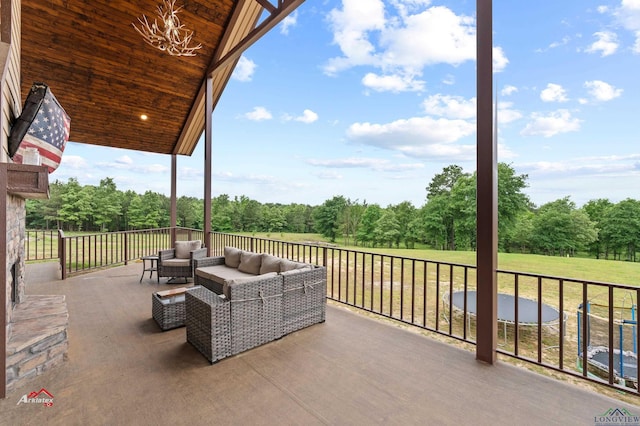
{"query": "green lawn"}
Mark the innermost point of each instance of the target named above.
(608, 271)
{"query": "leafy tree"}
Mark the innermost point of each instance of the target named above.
(367, 226)
(598, 210)
(442, 183)
(273, 218)
(246, 214)
(155, 210)
(221, 213)
(433, 225)
(405, 214)
(107, 205)
(387, 229)
(136, 213)
(298, 218)
(127, 196)
(521, 234)
(327, 217)
(351, 217)
(462, 206)
(511, 200)
(561, 229)
(186, 213)
(439, 191)
(76, 204)
(621, 228)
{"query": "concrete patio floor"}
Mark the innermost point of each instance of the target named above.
(350, 370)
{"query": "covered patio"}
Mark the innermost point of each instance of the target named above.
(122, 369)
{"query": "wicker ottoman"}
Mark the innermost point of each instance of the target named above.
(169, 311)
(208, 323)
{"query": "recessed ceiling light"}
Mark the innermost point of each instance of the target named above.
(143, 117)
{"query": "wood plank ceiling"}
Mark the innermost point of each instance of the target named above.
(106, 76)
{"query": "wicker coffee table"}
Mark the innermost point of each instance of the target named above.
(168, 308)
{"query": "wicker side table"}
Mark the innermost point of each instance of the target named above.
(169, 312)
(208, 323)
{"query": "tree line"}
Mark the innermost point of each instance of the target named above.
(446, 221)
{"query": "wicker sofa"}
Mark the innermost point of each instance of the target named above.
(245, 299)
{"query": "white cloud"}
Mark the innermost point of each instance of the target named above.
(329, 175)
(500, 60)
(564, 41)
(392, 83)
(376, 164)
(422, 137)
(124, 160)
(367, 36)
(307, 116)
(449, 80)
(551, 124)
(628, 15)
(554, 93)
(506, 114)
(450, 106)
(508, 90)
(602, 91)
(259, 113)
(444, 38)
(244, 70)
(606, 43)
(504, 152)
(351, 26)
(288, 22)
(73, 162)
(613, 165)
(153, 168)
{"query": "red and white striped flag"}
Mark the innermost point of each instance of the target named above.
(48, 133)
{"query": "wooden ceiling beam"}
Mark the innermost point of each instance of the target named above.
(284, 9)
(267, 5)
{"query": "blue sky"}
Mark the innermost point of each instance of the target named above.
(369, 99)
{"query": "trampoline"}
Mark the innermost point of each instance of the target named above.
(625, 364)
(625, 355)
(527, 309)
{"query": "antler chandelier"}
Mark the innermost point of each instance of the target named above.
(170, 35)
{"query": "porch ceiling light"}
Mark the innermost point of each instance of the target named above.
(169, 35)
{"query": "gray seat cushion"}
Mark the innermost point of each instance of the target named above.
(221, 273)
(176, 262)
(251, 278)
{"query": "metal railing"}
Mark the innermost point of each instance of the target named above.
(592, 332)
(41, 244)
(543, 321)
(82, 253)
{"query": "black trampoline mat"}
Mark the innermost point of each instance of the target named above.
(629, 363)
(527, 308)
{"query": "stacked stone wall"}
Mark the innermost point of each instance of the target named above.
(39, 340)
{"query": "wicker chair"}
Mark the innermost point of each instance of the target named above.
(178, 262)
